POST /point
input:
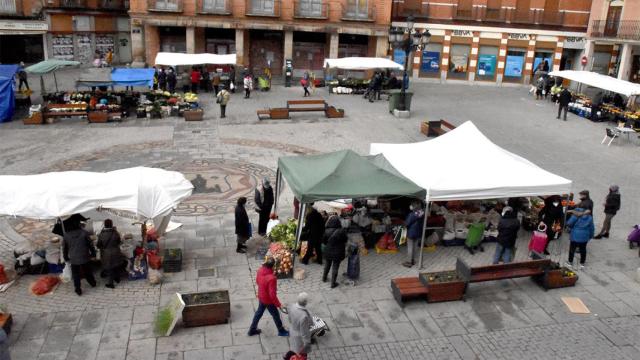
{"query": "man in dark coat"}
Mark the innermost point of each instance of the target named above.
(172, 80)
(264, 203)
(78, 251)
(110, 254)
(243, 227)
(611, 207)
(313, 231)
(563, 102)
(550, 215)
(335, 239)
(507, 235)
(162, 79)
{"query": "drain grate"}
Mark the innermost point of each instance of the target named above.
(195, 131)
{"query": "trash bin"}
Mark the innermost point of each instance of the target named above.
(395, 96)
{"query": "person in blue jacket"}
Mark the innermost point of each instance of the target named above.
(414, 224)
(582, 230)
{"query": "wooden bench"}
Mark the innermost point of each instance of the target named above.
(306, 105)
(501, 271)
(408, 288)
(300, 106)
(436, 128)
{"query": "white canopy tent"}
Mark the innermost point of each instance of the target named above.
(176, 59)
(458, 168)
(600, 81)
(361, 63)
(146, 193)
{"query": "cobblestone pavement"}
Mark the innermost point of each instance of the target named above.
(512, 319)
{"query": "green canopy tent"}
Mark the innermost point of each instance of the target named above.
(338, 175)
(49, 66)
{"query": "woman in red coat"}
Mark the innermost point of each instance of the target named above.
(267, 298)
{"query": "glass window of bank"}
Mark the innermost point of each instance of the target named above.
(458, 61)
(487, 63)
(514, 64)
(430, 60)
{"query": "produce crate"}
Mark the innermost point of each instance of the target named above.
(193, 115)
(443, 286)
(557, 278)
(98, 116)
(206, 308)
(172, 260)
(34, 119)
(281, 274)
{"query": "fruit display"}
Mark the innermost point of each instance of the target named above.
(285, 233)
(284, 259)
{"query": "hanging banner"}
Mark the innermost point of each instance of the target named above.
(537, 61)
(430, 61)
(398, 56)
(459, 63)
(487, 65)
(513, 66)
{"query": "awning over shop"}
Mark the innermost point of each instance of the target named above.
(7, 96)
(47, 66)
(362, 63)
(600, 81)
(176, 59)
(343, 174)
(458, 166)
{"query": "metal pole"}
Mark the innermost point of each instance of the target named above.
(403, 95)
(275, 200)
(55, 79)
(303, 208)
(427, 206)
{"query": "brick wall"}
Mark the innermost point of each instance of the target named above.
(61, 23)
(152, 42)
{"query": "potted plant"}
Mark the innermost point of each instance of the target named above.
(557, 277)
(443, 286)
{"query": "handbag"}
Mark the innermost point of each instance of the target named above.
(556, 227)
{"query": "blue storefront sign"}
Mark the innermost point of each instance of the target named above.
(539, 60)
(513, 66)
(430, 61)
(398, 56)
(486, 65)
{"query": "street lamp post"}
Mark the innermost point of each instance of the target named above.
(408, 40)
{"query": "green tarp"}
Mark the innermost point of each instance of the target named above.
(344, 174)
(47, 66)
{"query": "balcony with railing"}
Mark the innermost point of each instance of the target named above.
(310, 9)
(464, 14)
(625, 29)
(114, 4)
(170, 6)
(359, 10)
(264, 8)
(10, 7)
(214, 7)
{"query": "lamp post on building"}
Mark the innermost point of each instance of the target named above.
(409, 40)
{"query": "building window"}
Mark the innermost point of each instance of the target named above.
(214, 6)
(357, 9)
(514, 64)
(167, 5)
(310, 8)
(487, 61)
(540, 57)
(263, 7)
(601, 61)
(459, 61)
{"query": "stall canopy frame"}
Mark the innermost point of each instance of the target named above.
(460, 170)
(177, 59)
(50, 66)
(600, 81)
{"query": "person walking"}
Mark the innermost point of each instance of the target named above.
(223, 98)
(376, 87)
(110, 255)
(264, 201)
(414, 224)
(109, 57)
(4, 345)
(611, 206)
(22, 77)
(205, 81)
(564, 98)
(552, 216)
(335, 239)
(215, 81)
(195, 80)
(171, 80)
(300, 328)
(313, 231)
(248, 85)
(243, 226)
(162, 79)
(507, 235)
(582, 230)
(305, 84)
(77, 252)
(267, 298)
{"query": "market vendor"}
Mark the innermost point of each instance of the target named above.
(414, 223)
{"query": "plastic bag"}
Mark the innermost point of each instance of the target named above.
(65, 277)
(403, 236)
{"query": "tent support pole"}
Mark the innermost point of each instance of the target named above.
(275, 200)
(303, 208)
(55, 79)
(427, 207)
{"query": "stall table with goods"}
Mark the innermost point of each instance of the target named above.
(351, 85)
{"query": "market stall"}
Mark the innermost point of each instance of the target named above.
(339, 175)
(49, 66)
(177, 59)
(462, 168)
(352, 85)
(7, 91)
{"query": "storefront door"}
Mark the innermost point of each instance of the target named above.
(266, 51)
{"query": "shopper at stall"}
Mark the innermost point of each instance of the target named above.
(243, 226)
(507, 235)
(552, 216)
(300, 329)
(540, 88)
(222, 99)
(155, 78)
(162, 79)
(611, 207)
(313, 232)
(22, 77)
(596, 102)
(171, 80)
(195, 79)
(248, 85)
(185, 81)
(215, 81)
(267, 298)
(376, 86)
(585, 204)
(414, 224)
(564, 98)
(77, 252)
(263, 197)
(582, 230)
(335, 240)
(109, 57)
(556, 89)
(110, 255)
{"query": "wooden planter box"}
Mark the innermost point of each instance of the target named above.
(193, 115)
(5, 322)
(206, 308)
(98, 116)
(556, 278)
(439, 289)
(332, 112)
(424, 128)
(34, 119)
(279, 113)
(172, 260)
